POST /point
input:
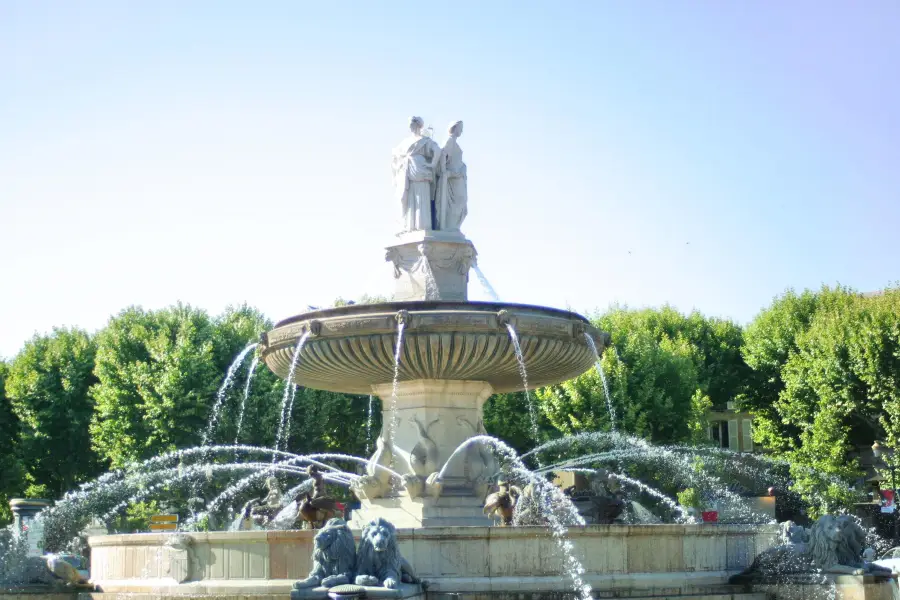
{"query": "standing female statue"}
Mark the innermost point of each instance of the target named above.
(414, 162)
(451, 199)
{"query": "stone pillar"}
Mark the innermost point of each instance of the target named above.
(431, 265)
(433, 417)
(24, 513)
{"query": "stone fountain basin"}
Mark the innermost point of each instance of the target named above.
(350, 349)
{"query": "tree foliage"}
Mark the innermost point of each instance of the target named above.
(47, 386)
(664, 371)
(835, 365)
(11, 474)
(158, 373)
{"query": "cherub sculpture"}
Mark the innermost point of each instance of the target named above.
(503, 502)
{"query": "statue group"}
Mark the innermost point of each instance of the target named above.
(430, 181)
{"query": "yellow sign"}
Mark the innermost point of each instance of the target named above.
(163, 526)
(164, 519)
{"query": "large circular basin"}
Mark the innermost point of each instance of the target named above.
(351, 348)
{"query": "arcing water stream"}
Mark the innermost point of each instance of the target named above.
(289, 391)
(223, 390)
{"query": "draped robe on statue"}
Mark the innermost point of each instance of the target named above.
(451, 199)
(414, 180)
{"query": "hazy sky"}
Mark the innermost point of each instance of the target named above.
(705, 154)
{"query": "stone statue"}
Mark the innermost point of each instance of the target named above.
(334, 556)
(414, 161)
(262, 510)
(832, 545)
(378, 559)
(451, 197)
(503, 502)
(377, 481)
(318, 507)
(423, 459)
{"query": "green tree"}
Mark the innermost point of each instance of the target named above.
(507, 417)
(664, 370)
(770, 340)
(839, 392)
(48, 385)
(158, 372)
(11, 473)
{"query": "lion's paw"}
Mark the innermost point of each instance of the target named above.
(334, 580)
(366, 580)
(309, 582)
(390, 583)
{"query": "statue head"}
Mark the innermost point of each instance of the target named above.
(380, 535)
(416, 124)
(836, 541)
(456, 129)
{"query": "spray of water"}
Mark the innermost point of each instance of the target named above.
(598, 365)
(240, 421)
(557, 509)
(223, 390)
(520, 359)
(485, 284)
(369, 424)
(289, 390)
(395, 421)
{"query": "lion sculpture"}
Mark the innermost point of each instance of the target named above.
(378, 559)
(334, 556)
(834, 544)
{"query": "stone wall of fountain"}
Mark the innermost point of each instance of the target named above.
(639, 560)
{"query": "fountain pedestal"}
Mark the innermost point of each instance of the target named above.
(428, 419)
(431, 265)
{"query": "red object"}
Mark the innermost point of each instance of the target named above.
(710, 516)
(339, 506)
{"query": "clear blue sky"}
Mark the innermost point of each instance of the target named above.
(704, 154)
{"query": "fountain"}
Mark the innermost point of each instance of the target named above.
(433, 358)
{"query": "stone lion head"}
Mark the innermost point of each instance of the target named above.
(380, 535)
(334, 548)
(378, 557)
(836, 541)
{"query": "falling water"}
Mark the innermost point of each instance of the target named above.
(240, 422)
(558, 524)
(599, 366)
(289, 415)
(394, 419)
(485, 284)
(220, 396)
(520, 358)
(288, 388)
(369, 424)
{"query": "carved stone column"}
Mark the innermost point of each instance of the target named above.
(432, 418)
(431, 265)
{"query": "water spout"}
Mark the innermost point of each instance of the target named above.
(223, 390)
(240, 422)
(395, 421)
(598, 364)
(288, 390)
(520, 359)
(485, 284)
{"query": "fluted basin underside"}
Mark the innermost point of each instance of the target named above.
(351, 348)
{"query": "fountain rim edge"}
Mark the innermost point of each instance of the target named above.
(426, 305)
